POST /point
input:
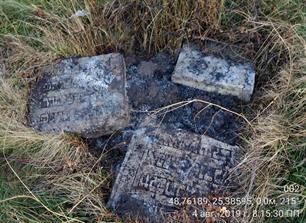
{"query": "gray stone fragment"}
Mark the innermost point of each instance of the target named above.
(214, 74)
(163, 164)
(86, 96)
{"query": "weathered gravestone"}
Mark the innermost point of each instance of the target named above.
(162, 165)
(214, 74)
(86, 96)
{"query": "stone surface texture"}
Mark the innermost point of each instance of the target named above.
(86, 96)
(162, 164)
(213, 73)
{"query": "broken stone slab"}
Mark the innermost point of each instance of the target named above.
(162, 165)
(86, 96)
(212, 73)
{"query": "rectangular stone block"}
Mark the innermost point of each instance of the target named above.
(211, 73)
(86, 96)
(162, 165)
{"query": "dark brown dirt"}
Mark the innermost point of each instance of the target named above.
(149, 87)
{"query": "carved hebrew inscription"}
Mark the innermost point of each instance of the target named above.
(86, 96)
(163, 164)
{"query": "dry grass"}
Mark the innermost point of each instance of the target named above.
(277, 154)
(271, 33)
(61, 167)
(111, 26)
